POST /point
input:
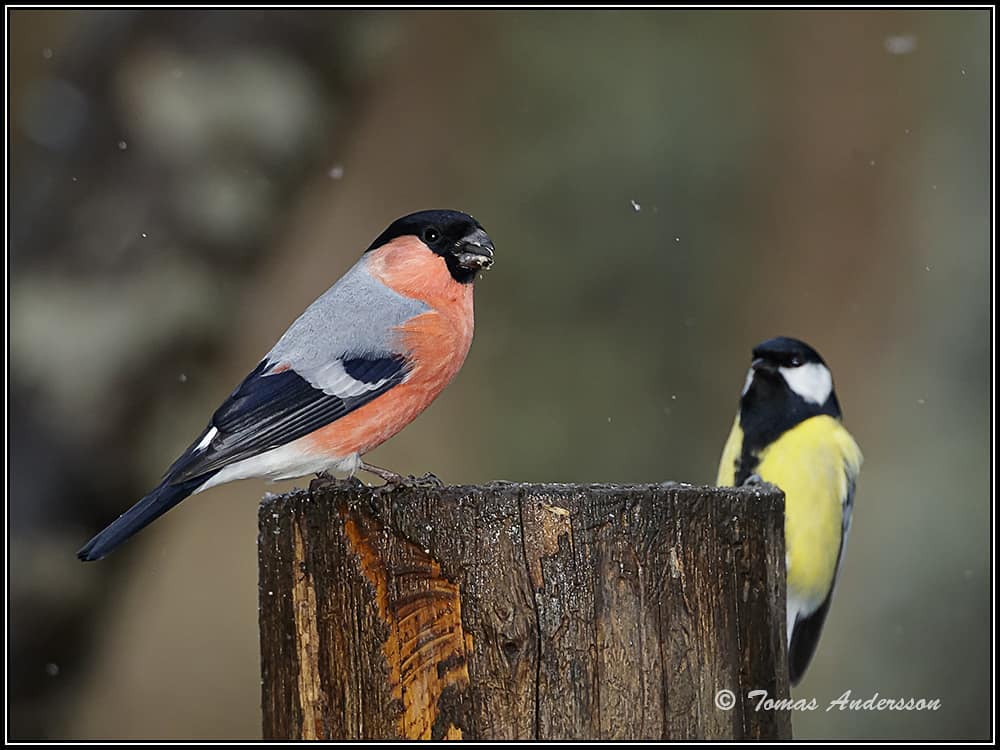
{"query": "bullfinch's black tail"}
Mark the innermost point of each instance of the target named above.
(140, 515)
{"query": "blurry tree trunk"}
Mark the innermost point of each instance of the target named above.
(522, 611)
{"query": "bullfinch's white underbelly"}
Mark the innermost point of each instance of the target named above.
(284, 462)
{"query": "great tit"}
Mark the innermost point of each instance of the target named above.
(788, 432)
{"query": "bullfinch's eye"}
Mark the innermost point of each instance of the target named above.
(431, 235)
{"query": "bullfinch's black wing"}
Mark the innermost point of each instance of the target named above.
(271, 408)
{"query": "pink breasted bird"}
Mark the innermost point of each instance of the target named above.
(353, 370)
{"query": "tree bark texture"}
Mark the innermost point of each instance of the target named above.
(548, 611)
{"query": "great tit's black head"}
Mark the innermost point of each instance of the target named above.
(785, 352)
(455, 236)
(788, 382)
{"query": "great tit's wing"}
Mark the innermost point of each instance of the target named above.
(730, 456)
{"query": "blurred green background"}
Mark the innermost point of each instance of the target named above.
(664, 188)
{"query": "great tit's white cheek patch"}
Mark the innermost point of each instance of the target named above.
(747, 383)
(811, 381)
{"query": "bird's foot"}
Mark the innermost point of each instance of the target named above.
(427, 480)
(393, 480)
(754, 480)
(326, 480)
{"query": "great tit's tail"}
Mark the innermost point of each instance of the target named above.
(803, 641)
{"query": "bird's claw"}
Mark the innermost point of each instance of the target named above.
(754, 480)
(326, 480)
(427, 481)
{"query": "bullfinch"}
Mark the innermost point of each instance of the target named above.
(354, 369)
(788, 432)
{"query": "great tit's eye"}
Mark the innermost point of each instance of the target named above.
(796, 362)
(431, 235)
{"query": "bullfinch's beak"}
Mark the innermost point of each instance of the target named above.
(474, 251)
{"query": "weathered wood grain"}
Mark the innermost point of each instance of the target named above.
(511, 611)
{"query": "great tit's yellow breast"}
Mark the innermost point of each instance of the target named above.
(810, 462)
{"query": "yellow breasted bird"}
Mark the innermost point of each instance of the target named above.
(788, 432)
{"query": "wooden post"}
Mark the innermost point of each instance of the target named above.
(510, 611)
